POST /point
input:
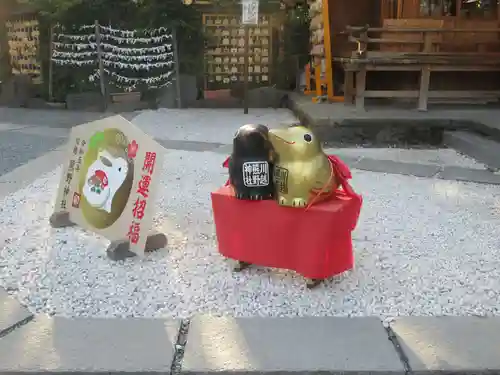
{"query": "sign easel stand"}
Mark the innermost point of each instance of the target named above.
(60, 219)
(118, 249)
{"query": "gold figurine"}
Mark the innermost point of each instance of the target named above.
(303, 170)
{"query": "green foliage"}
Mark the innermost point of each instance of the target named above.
(124, 14)
(186, 19)
(51, 9)
(295, 43)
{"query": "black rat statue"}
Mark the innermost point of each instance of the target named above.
(251, 164)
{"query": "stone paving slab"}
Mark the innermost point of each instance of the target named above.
(469, 175)
(480, 148)
(283, 346)
(195, 146)
(89, 346)
(451, 345)
(12, 313)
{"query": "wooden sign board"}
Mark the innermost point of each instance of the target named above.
(108, 183)
(250, 12)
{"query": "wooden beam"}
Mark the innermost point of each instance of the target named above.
(384, 41)
(433, 94)
(390, 94)
(420, 30)
(438, 68)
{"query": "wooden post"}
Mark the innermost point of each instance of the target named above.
(245, 70)
(307, 74)
(317, 81)
(349, 87)
(101, 66)
(360, 89)
(51, 64)
(425, 75)
(176, 67)
(327, 44)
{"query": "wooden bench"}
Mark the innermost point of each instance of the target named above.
(426, 60)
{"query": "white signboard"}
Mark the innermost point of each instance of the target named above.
(109, 180)
(250, 12)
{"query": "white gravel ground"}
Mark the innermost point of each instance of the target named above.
(423, 247)
(207, 125)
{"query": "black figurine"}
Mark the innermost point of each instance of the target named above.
(251, 163)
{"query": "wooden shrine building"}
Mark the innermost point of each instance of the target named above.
(421, 50)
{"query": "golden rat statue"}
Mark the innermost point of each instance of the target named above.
(302, 171)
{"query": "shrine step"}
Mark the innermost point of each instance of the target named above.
(474, 145)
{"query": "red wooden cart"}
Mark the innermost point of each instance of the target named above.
(315, 242)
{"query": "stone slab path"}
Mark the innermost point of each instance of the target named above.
(226, 345)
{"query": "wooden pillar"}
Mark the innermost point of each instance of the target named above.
(317, 80)
(102, 80)
(245, 69)
(176, 67)
(349, 94)
(327, 43)
(308, 77)
(360, 89)
(425, 75)
(51, 63)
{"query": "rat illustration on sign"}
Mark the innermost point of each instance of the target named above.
(106, 178)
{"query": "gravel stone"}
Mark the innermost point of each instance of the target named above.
(422, 247)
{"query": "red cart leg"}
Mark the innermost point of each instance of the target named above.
(240, 266)
(312, 283)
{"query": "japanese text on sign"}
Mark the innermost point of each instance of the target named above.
(140, 204)
(250, 12)
(256, 173)
(73, 166)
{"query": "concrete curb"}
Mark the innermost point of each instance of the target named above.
(482, 149)
(465, 132)
(345, 122)
(227, 345)
(450, 173)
